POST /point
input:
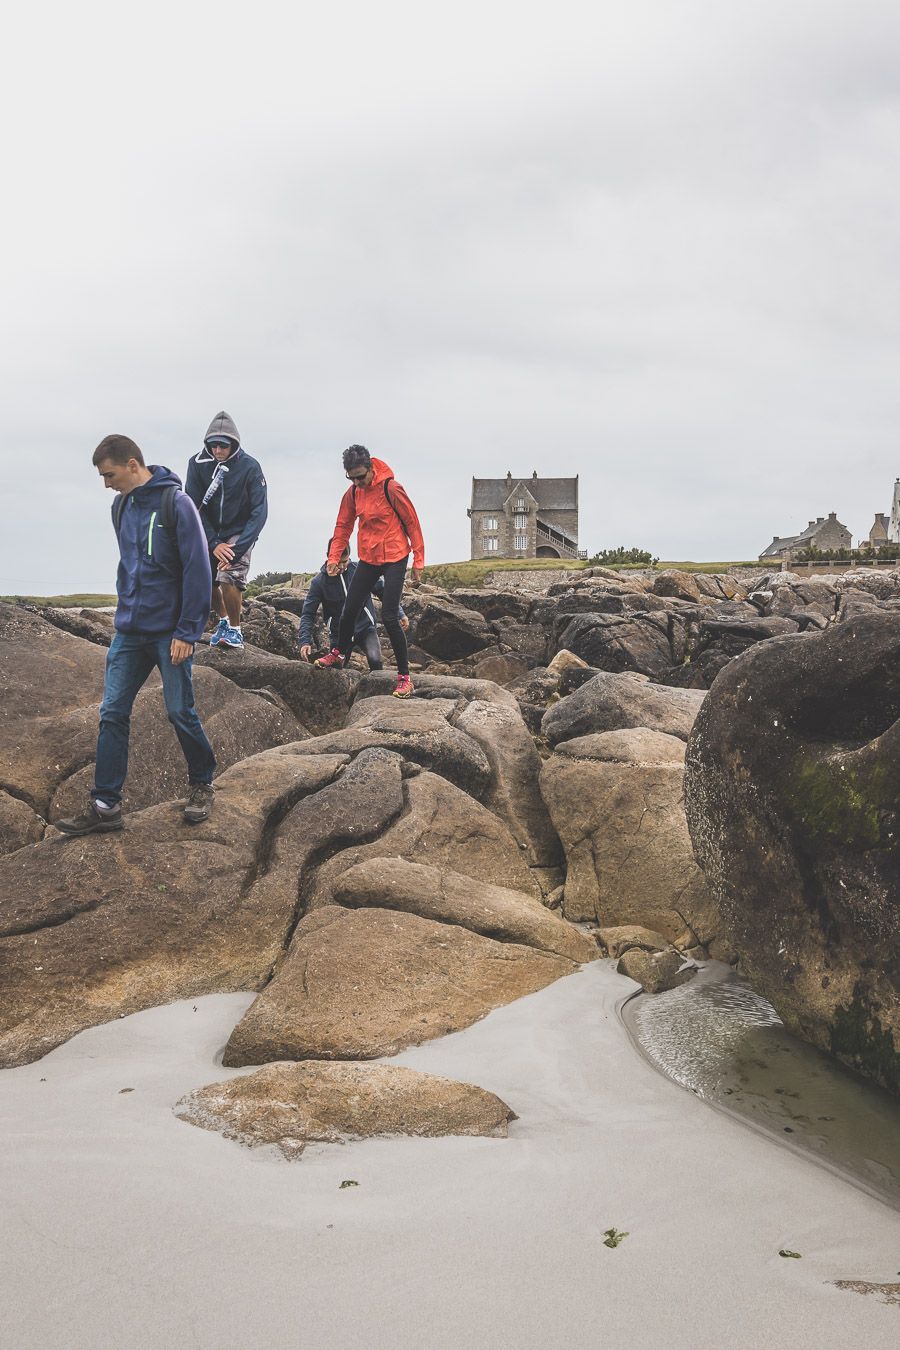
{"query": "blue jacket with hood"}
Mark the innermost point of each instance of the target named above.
(230, 496)
(330, 593)
(164, 582)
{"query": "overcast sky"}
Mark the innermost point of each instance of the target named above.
(655, 244)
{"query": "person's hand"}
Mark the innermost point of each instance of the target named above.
(332, 569)
(415, 576)
(180, 651)
(305, 651)
(404, 623)
(224, 553)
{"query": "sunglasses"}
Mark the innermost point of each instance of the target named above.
(358, 477)
(219, 445)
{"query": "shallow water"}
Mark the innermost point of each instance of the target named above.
(715, 1037)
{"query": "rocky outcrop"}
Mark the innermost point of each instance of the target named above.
(319, 699)
(616, 801)
(450, 897)
(293, 1105)
(358, 984)
(238, 723)
(610, 702)
(450, 632)
(94, 928)
(793, 784)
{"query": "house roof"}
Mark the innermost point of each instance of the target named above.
(551, 494)
(805, 537)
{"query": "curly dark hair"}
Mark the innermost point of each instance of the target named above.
(356, 455)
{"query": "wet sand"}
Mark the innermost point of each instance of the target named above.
(123, 1225)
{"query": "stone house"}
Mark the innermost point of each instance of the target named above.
(824, 533)
(524, 517)
(878, 535)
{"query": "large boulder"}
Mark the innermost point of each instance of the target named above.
(359, 984)
(450, 897)
(450, 632)
(319, 699)
(95, 928)
(420, 730)
(616, 800)
(638, 642)
(793, 785)
(49, 680)
(292, 1105)
(439, 825)
(614, 702)
(513, 793)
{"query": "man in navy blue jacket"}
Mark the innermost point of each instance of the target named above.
(329, 593)
(228, 488)
(163, 586)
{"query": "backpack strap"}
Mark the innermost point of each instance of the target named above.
(390, 502)
(166, 508)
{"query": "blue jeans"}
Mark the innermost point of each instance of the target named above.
(129, 661)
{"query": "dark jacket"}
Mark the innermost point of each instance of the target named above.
(330, 593)
(164, 582)
(231, 497)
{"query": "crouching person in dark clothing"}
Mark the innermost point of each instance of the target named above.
(329, 593)
(163, 585)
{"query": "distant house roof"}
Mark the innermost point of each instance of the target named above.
(805, 537)
(551, 494)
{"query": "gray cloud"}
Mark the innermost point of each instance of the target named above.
(656, 247)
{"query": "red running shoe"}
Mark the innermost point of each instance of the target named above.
(333, 661)
(404, 687)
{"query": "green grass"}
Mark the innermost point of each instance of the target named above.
(63, 601)
(473, 573)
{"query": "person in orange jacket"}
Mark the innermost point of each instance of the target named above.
(389, 530)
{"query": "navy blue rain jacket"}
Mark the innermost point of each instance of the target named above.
(238, 504)
(164, 582)
(330, 593)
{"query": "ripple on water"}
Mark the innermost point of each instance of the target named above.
(715, 1037)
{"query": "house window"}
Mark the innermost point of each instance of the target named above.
(489, 544)
(490, 523)
(520, 504)
(521, 541)
(520, 522)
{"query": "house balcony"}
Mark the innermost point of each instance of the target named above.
(550, 537)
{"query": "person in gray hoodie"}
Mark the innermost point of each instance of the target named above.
(229, 490)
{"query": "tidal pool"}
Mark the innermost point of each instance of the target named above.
(718, 1039)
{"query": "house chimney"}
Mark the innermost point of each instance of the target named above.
(534, 476)
(832, 515)
(812, 523)
(820, 519)
(509, 475)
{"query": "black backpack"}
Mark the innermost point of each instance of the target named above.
(166, 510)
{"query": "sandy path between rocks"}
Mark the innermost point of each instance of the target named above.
(125, 1226)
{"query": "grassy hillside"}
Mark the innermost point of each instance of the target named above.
(453, 575)
(64, 601)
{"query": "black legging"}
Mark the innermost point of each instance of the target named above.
(358, 592)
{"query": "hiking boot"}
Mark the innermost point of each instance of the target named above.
(199, 803)
(333, 661)
(232, 638)
(221, 630)
(404, 687)
(91, 821)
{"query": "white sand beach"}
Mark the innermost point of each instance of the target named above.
(126, 1226)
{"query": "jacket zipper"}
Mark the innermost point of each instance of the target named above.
(150, 536)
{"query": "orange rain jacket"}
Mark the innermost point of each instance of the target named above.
(388, 524)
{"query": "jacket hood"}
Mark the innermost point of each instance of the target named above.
(382, 470)
(160, 477)
(221, 426)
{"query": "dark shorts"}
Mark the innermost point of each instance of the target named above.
(235, 574)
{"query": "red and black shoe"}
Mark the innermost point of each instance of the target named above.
(404, 687)
(333, 661)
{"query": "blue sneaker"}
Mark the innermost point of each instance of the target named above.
(232, 638)
(221, 630)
